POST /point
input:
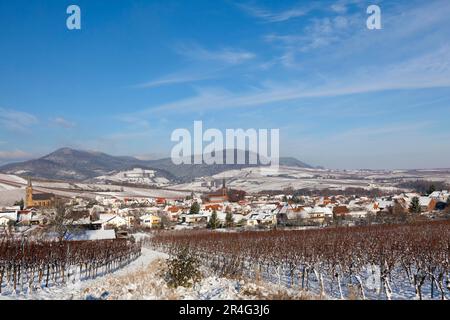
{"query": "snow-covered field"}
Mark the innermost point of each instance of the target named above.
(12, 188)
(256, 180)
(12, 178)
(9, 197)
(259, 179)
(136, 176)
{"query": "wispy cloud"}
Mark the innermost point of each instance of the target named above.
(64, 123)
(174, 79)
(14, 155)
(225, 55)
(342, 6)
(348, 36)
(361, 132)
(319, 33)
(428, 71)
(16, 120)
(271, 16)
(339, 8)
(204, 64)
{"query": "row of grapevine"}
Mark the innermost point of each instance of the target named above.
(28, 265)
(373, 262)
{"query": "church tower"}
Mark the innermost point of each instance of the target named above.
(224, 188)
(29, 194)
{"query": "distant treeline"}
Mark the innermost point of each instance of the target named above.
(424, 186)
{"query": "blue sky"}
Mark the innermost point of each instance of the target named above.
(342, 96)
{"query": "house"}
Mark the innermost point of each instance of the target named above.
(269, 219)
(200, 218)
(285, 212)
(326, 212)
(7, 217)
(358, 214)
(440, 196)
(427, 204)
(382, 205)
(150, 221)
(111, 220)
(313, 214)
(160, 201)
(340, 211)
(24, 217)
(37, 219)
(319, 214)
(316, 214)
(212, 207)
(173, 212)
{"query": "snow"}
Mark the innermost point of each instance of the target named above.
(136, 176)
(93, 235)
(143, 280)
(4, 186)
(82, 289)
(8, 197)
(256, 179)
(12, 178)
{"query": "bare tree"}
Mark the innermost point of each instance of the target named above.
(62, 220)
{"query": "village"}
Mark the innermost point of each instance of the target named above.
(112, 217)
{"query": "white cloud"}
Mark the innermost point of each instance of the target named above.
(339, 8)
(271, 16)
(348, 36)
(318, 33)
(205, 64)
(430, 70)
(225, 55)
(174, 79)
(16, 120)
(60, 121)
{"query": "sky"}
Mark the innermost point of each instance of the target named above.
(342, 96)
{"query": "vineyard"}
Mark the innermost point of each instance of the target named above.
(29, 265)
(375, 262)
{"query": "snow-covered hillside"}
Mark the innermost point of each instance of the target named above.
(11, 189)
(136, 176)
(260, 179)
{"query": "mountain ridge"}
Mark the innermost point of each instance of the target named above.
(78, 165)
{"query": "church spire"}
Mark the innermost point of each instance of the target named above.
(224, 188)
